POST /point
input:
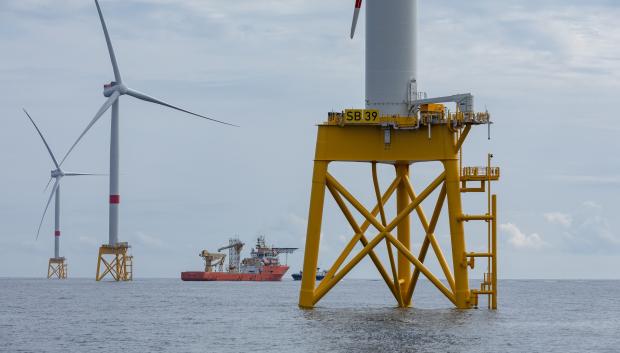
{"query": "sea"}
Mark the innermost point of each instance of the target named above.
(168, 315)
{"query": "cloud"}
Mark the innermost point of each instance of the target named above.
(592, 204)
(560, 218)
(87, 240)
(587, 230)
(288, 226)
(588, 179)
(520, 240)
(552, 42)
(150, 240)
(599, 227)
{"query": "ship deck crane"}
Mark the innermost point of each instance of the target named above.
(236, 245)
(234, 250)
(213, 260)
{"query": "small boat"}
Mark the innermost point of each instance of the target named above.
(320, 274)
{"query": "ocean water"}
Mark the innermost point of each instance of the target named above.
(168, 315)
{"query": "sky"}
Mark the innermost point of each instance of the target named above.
(547, 70)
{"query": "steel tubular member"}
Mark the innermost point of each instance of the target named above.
(373, 256)
(375, 180)
(358, 236)
(430, 233)
(422, 268)
(385, 231)
(426, 243)
(313, 234)
(403, 231)
(361, 209)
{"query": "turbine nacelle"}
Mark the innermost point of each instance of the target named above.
(57, 173)
(110, 88)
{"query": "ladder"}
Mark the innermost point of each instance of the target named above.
(129, 267)
(484, 175)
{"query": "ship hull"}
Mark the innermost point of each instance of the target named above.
(297, 276)
(268, 273)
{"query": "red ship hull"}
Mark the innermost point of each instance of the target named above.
(268, 273)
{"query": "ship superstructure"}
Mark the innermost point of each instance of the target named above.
(262, 265)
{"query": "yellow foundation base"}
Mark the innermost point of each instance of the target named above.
(436, 142)
(116, 262)
(57, 268)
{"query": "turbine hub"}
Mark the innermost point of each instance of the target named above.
(109, 88)
(57, 173)
(112, 87)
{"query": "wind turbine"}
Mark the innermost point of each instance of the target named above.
(56, 174)
(113, 91)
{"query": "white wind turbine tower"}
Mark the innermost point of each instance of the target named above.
(113, 91)
(57, 266)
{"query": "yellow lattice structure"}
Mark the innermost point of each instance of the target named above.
(57, 268)
(116, 262)
(433, 138)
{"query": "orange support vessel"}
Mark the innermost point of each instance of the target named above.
(262, 265)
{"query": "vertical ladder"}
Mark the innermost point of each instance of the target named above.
(489, 283)
(129, 267)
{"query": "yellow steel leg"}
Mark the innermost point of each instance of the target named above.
(97, 277)
(404, 227)
(117, 267)
(494, 252)
(457, 234)
(313, 234)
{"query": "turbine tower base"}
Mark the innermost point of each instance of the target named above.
(116, 262)
(57, 268)
(362, 136)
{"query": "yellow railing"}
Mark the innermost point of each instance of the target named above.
(493, 172)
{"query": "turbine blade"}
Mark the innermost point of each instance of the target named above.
(117, 73)
(48, 184)
(47, 205)
(148, 98)
(102, 110)
(356, 15)
(79, 174)
(43, 138)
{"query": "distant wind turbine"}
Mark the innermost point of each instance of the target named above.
(113, 91)
(56, 174)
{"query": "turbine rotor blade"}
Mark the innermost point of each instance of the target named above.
(43, 138)
(117, 73)
(356, 14)
(48, 184)
(47, 205)
(80, 174)
(148, 98)
(102, 110)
